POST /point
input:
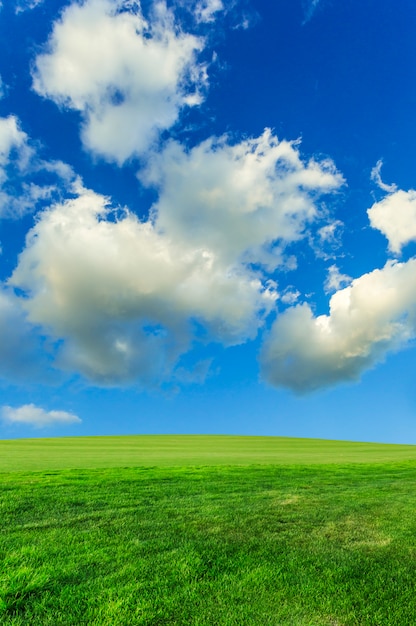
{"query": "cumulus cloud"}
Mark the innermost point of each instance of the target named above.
(125, 298)
(31, 415)
(238, 199)
(129, 77)
(395, 217)
(374, 315)
(122, 295)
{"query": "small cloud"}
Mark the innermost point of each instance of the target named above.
(395, 217)
(290, 295)
(206, 9)
(336, 280)
(376, 177)
(37, 417)
(26, 5)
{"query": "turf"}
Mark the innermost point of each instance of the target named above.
(331, 544)
(182, 450)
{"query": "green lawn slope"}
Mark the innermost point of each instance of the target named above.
(186, 450)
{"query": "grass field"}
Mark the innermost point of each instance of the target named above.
(182, 450)
(223, 541)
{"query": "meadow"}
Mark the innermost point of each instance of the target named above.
(201, 531)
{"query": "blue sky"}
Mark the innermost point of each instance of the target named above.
(208, 218)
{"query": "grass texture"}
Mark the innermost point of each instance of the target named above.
(225, 545)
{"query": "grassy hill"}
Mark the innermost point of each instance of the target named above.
(206, 531)
(185, 450)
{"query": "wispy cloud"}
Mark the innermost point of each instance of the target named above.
(31, 415)
(376, 177)
(27, 5)
(310, 7)
(26, 180)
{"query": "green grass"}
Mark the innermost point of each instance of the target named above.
(181, 450)
(226, 545)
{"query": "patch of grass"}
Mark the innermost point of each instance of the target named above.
(259, 545)
(180, 450)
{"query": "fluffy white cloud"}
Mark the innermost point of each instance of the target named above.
(238, 199)
(395, 217)
(125, 299)
(129, 78)
(374, 315)
(31, 415)
(121, 294)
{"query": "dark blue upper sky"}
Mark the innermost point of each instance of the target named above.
(207, 218)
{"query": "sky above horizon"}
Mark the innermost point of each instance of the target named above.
(208, 218)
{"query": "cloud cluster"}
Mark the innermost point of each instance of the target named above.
(31, 415)
(117, 299)
(121, 294)
(129, 297)
(129, 77)
(374, 315)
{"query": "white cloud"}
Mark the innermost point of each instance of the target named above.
(129, 78)
(395, 217)
(376, 177)
(121, 294)
(27, 5)
(31, 415)
(374, 315)
(21, 189)
(238, 199)
(335, 279)
(205, 10)
(13, 140)
(124, 299)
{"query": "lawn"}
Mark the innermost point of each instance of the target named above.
(182, 450)
(283, 543)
